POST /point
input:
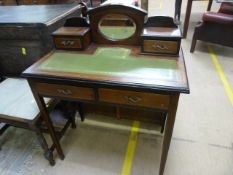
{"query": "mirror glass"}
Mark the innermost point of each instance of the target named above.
(117, 27)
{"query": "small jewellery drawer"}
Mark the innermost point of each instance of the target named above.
(73, 43)
(72, 38)
(150, 100)
(57, 90)
(160, 46)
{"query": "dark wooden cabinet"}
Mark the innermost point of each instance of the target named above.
(26, 39)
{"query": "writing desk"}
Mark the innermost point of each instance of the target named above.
(112, 75)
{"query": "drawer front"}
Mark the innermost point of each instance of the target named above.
(68, 43)
(150, 100)
(58, 90)
(158, 46)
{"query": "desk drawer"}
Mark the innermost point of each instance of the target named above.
(150, 100)
(58, 90)
(160, 47)
(66, 42)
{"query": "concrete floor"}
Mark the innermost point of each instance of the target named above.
(202, 142)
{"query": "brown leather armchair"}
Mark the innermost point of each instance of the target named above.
(215, 27)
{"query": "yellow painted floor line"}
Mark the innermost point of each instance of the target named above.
(161, 4)
(221, 74)
(126, 170)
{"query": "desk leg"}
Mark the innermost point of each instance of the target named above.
(174, 98)
(187, 17)
(46, 118)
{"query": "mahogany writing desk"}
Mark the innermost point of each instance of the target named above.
(114, 76)
(113, 70)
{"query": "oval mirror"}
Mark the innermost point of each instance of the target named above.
(116, 27)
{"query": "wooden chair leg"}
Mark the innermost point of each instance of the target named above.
(162, 129)
(48, 154)
(4, 128)
(81, 112)
(163, 124)
(72, 120)
(72, 108)
(193, 45)
(69, 110)
(194, 41)
(187, 18)
(178, 4)
(209, 5)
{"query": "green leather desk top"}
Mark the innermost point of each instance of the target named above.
(112, 62)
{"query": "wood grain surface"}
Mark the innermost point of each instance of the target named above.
(133, 98)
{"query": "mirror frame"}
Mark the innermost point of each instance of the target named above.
(136, 14)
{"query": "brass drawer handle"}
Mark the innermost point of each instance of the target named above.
(64, 91)
(67, 43)
(133, 99)
(161, 47)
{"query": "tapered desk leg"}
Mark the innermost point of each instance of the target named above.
(187, 17)
(46, 118)
(174, 98)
